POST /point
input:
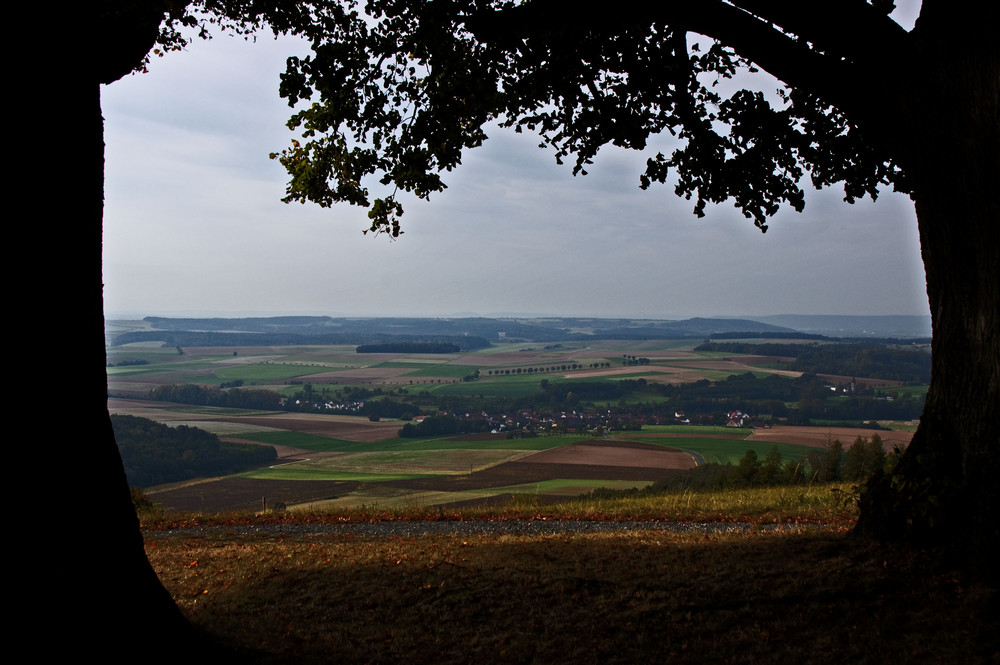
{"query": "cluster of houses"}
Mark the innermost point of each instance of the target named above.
(531, 421)
(336, 407)
(738, 419)
(576, 422)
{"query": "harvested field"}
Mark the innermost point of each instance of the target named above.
(392, 462)
(820, 436)
(225, 494)
(520, 473)
(346, 428)
(597, 460)
(613, 454)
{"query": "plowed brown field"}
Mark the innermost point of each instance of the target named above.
(347, 428)
(821, 436)
(612, 454)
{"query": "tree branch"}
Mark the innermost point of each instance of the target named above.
(765, 32)
(850, 29)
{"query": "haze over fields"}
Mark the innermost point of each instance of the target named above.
(194, 224)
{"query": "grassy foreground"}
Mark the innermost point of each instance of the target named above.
(816, 596)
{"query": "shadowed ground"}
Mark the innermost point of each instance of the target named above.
(575, 598)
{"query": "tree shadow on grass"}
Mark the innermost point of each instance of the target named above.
(594, 598)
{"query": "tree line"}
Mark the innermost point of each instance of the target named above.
(182, 338)
(857, 464)
(910, 364)
(154, 454)
(234, 398)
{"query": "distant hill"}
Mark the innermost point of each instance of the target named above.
(688, 328)
(855, 326)
(467, 333)
(476, 331)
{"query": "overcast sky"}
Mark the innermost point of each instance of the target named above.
(194, 224)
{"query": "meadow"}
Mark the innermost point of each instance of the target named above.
(365, 462)
(337, 366)
(446, 470)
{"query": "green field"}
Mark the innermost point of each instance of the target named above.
(522, 385)
(444, 370)
(324, 444)
(914, 391)
(305, 441)
(692, 429)
(429, 382)
(265, 373)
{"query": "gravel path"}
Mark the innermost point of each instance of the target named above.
(499, 527)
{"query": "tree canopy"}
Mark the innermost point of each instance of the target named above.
(395, 95)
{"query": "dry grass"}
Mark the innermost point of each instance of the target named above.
(596, 598)
(813, 596)
(826, 504)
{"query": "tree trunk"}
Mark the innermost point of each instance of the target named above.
(944, 492)
(110, 590)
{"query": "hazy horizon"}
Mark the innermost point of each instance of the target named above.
(201, 314)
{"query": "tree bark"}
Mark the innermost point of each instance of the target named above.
(110, 598)
(944, 492)
(105, 598)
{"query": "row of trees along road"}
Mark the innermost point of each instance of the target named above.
(868, 103)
